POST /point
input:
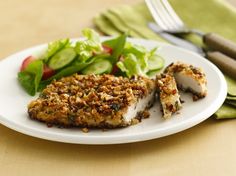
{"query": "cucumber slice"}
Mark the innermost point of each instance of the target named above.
(155, 62)
(99, 66)
(62, 58)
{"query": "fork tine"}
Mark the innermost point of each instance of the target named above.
(164, 14)
(172, 13)
(157, 17)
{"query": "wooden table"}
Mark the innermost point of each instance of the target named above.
(206, 149)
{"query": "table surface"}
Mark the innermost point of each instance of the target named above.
(209, 147)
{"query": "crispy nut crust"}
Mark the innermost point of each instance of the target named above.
(89, 100)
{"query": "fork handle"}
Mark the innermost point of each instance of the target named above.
(219, 43)
(225, 63)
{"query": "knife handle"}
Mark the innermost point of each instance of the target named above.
(225, 63)
(219, 43)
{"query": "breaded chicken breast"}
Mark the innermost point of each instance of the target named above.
(189, 78)
(101, 101)
(168, 94)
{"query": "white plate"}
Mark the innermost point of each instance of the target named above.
(14, 100)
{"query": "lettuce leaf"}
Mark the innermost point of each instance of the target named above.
(137, 60)
(86, 48)
(130, 65)
(117, 45)
(141, 54)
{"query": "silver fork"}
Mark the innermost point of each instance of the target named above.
(168, 21)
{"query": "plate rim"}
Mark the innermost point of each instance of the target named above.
(119, 139)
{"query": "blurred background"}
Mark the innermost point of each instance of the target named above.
(25, 23)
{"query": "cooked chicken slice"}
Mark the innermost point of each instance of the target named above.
(189, 78)
(168, 94)
(102, 101)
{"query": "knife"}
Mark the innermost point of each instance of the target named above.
(224, 62)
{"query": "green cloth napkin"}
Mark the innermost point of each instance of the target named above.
(208, 16)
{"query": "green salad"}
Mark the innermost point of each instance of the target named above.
(62, 58)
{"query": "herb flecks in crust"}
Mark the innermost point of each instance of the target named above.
(168, 94)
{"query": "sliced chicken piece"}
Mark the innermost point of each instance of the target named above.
(189, 78)
(168, 94)
(101, 101)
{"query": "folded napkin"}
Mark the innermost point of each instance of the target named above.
(208, 16)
